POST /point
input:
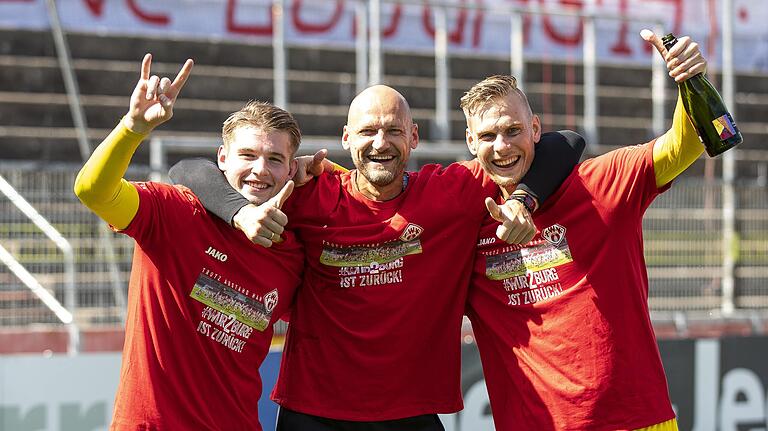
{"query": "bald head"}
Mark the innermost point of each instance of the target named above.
(380, 134)
(379, 99)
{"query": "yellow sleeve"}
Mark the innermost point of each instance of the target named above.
(338, 168)
(677, 149)
(100, 184)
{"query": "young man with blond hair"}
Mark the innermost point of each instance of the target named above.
(562, 322)
(202, 298)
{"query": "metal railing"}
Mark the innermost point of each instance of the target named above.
(62, 313)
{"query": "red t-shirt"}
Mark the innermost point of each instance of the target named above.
(375, 331)
(201, 303)
(562, 324)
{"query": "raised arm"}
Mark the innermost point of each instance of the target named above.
(679, 147)
(100, 185)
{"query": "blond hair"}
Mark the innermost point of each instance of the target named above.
(264, 116)
(490, 89)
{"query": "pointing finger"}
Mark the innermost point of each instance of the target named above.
(654, 40)
(181, 78)
(146, 64)
(494, 210)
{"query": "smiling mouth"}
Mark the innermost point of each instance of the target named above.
(380, 158)
(257, 185)
(506, 163)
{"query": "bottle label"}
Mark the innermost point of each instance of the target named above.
(724, 126)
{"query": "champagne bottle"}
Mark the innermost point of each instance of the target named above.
(708, 113)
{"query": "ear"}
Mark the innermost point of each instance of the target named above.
(345, 139)
(471, 143)
(221, 157)
(536, 125)
(293, 167)
(414, 136)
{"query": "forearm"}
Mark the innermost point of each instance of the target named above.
(677, 149)
(100, 185)
(556, 155)
(209, 184)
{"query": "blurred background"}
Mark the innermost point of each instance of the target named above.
(67, 69)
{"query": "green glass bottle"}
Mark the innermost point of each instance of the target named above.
(705, 107)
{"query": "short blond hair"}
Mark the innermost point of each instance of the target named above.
(265, 116)
(489, 89)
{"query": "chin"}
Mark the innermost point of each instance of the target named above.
(254, 199)
(504, 180)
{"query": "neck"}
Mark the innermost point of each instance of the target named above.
(379, 193)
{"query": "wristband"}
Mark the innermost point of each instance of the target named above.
(527, 200)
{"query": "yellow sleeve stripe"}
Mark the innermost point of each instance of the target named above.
(670, 425)
(100, 185)
(338, 168)
(677, 149)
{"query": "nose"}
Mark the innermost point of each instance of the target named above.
(380, 141)
(500, 144)
(259, 166)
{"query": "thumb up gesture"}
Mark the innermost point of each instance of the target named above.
(264, 224)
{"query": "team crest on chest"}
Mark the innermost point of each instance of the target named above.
(411, 232)
(554, 234)
(270, 300)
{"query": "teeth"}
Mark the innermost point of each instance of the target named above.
(504, 163)
(380, 158)
(257, 185)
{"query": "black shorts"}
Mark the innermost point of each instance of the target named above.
(289, 420)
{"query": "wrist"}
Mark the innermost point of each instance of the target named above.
(137, 127)
(525, 199)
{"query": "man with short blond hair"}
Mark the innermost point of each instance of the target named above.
(562, 322)
(202, 298)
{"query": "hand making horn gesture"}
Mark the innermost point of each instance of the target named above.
(264, 224)
(153, 98)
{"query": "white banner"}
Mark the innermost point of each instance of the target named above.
(59, 393)
(411, 27)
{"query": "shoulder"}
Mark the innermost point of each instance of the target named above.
(631, 157)
(167, 195)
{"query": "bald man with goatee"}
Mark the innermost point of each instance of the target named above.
(374, 339)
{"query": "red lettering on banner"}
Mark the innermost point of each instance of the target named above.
(477, 25)
(565, 39)
(95, 6)
(390, 29)
(456, 36)
(394, 22)
(257, 30)
(621, 47)
(526, 23)
(157, 19)
(305, 27)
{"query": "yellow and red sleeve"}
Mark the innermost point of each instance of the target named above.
(677, 149)
(100, 185)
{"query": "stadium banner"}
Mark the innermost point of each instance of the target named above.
(77, 393)
(715, 385)
(410, 27)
